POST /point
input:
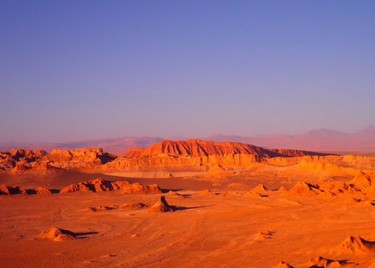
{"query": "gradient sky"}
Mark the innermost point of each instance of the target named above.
(75, 70)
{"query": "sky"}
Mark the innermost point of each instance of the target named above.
(78, 70)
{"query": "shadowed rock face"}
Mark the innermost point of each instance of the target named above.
(9, 190)
(12, 190)
(9, 160)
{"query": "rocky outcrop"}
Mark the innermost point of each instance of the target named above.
(19, 157)
(361, 188)
(200, 148)
(197, 155)
(321, 262)
(95, 185)
(161, 206)
(9, 190)
(100, 185)
(84, 158)
(304, 189)
(19, 161)
(57, 234)
(14, 190)
(357, 245)
(183, 163)
(363, 182)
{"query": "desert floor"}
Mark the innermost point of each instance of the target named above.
(217, 228)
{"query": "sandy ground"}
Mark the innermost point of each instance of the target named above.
(206, 230)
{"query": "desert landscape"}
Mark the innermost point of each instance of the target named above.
(200, 133)
(186, 203)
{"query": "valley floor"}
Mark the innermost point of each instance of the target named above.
(208, 229)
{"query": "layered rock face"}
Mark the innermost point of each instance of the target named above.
(200, 148)
(198, 155)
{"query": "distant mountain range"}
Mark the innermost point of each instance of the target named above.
(324, 140)
(314, 140)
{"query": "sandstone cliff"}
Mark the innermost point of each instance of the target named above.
(200, 148)
(198, 155)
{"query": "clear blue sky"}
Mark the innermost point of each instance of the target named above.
(74, 70)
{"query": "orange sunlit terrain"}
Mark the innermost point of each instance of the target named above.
(186, 203)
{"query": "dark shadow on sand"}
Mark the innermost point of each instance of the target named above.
(84, 235)
(177, 208)
(33, 191)
(167, 190)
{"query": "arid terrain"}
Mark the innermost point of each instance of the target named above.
(186, 204)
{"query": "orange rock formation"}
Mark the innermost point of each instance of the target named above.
(95, 185)
(169, 157)
(100, 185)
(200, 148)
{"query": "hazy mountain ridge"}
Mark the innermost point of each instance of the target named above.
(314, 140)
